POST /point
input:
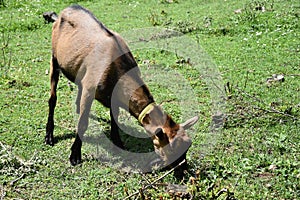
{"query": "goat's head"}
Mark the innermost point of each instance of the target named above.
(169, 138)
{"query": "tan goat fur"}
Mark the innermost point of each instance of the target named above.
(101, 64)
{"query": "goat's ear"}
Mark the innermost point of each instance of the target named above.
(159, 133)
(189, 123)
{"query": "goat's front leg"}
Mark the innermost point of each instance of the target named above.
(86, 101)
(114, 132)
(54, 77)
(79, 94)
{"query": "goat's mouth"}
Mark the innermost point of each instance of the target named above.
(178, 154)
(160, 164)
(171, 159)
(175, 162)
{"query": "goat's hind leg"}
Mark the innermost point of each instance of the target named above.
(54, 77)
(86, 100)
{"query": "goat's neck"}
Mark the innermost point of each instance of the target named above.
(139, 100)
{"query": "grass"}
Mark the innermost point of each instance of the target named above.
(254, 156)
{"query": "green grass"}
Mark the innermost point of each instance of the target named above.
(256, 155)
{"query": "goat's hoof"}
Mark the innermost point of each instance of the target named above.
(75, 160)
(49, 140)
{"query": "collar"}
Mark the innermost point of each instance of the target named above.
(145, 111)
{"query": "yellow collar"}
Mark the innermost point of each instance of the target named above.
(145, 111)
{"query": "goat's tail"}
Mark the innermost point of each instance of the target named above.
(50, 16)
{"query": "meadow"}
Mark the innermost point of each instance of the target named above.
(245, 87)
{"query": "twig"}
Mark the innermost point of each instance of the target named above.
(272, 110)
(210, 187)
(6, 41)
(276, 111)
(15, 180)
(217, 86)
(167, 101)
(292, 75)
(156, 180)
(236, 183)
(169, 172)
(223, 190)
(148, 181)
(2, 193)
(3, 146)
(249, 95)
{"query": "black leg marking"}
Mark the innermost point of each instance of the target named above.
(114, 132)
(54, 77)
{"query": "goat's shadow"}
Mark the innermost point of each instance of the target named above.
(138, 155)
(62, 137)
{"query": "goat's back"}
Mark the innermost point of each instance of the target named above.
(84, 46)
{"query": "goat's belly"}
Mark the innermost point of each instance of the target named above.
(103, 98)
(79, 62)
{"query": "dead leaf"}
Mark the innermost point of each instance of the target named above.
(238, 11)
(178, 190)
(275, 78)
(272, 167)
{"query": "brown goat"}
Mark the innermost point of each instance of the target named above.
(101, 64)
